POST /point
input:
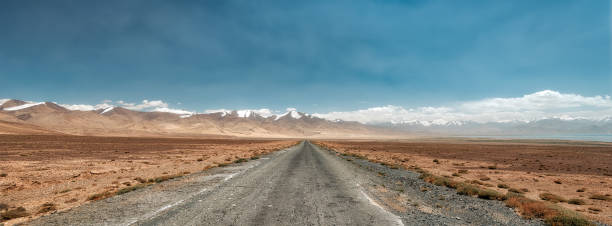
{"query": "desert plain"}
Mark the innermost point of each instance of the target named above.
(578, 174)
(42, 174)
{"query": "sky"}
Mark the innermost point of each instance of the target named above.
(330, 58)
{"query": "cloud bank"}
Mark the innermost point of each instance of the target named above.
(535, 106)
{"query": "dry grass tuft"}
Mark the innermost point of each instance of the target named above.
(504, 186)
(99, 196)
(601, 197)
(14, 213)
(552, 197)
(47, 207)
(576, 201)
(3, 206)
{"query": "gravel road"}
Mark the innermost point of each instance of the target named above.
(302, 185)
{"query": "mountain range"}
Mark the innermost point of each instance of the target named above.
(21, 117)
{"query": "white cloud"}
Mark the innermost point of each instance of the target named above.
(535, 106)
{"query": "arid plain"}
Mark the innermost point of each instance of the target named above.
(577, 174)
(48, 173)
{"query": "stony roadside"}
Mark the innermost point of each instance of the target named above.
(420, 203)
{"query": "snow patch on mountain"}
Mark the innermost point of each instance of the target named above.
(24, 106)
(107, 110)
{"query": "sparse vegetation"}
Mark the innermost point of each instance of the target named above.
(467, 189)
(492, 167)
(140, 180)
(99, 196)
(552, 197)
(241, 160)
(504, 186)
(3, 174)
(254, 157)
(576, 202)
(166, 177)
(14, 213)
(3, 206)
(600, 197)
(514, 190)
(129, 189)
(594, 209)
(489, 194)
(484, 178)
(552, 215)
(47, 207)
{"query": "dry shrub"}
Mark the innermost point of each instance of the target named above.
(503, 186)
(552, 197)
(552, 215)
(467, 189)
(99, 196)
(489, 194)
(514, 190)
(14, 213)
(129, 189)
(576, 201)
(241, 160)
(3, 206)
(165, 178)
(484, 178)
(47, 207)
(140, 180)
(530, 208)
(600, 197)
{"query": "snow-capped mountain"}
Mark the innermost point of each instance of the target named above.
(45, 117)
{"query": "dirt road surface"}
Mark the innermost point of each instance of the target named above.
(302, 185)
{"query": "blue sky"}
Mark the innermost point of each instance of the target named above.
(316, 56)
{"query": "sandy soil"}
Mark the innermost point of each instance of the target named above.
(558, 167)
(64, 171)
